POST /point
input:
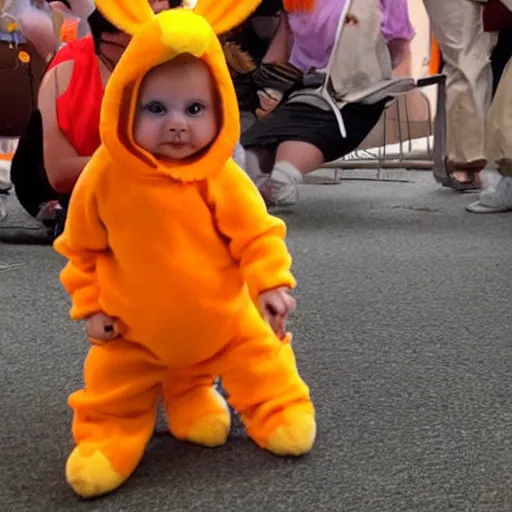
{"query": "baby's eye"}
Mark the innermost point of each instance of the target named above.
(155, 108)
(194, 109)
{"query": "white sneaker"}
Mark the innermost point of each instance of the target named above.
(239, 155)
(5, 171)
(489, 178)
(280, 189)
(494, 199)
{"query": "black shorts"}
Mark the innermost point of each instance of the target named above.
(305, 123)
(28, 175)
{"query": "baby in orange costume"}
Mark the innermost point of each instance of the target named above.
(178, 277)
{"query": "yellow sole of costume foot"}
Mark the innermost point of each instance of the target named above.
(295, 437)
(91, 476)
(210, 431)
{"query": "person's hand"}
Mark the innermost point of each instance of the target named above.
(275, 306)
(269, 100)
(101, 327)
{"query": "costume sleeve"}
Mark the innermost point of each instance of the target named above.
(83, 241)
(256, 238)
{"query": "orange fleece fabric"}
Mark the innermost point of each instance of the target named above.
(143, 234)
(179, 252)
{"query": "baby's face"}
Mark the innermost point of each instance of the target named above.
(176, 111)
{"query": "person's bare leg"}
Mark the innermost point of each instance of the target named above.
(276, 174)
(305, 157)
(293, 160)
(258, 164)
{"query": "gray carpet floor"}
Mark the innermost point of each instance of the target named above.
(403, 332)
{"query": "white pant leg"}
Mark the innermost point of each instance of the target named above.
(466, 50)
(498, 140)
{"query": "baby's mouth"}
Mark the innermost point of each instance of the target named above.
(176, 144)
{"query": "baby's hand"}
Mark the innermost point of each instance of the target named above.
(101, 327)
(275, 306)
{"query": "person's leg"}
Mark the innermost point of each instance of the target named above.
(497, 193)
(500, 56)
(258, 164)
(304, 156)
(304, 137)
(266, 390)
(114, 416)
(28, 175)
(239, 155)
(285, 168)
(498, 143)
(466, 50)
(293, 160)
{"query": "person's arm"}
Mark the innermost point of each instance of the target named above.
(36, 26)
(256, 238)
(83, 241)
(397, 29)
(280, 47)
(62, 163)
(279, 51)
(399, 50)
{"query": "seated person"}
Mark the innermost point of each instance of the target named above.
(67, 119)
(69, 112)
(295, 138)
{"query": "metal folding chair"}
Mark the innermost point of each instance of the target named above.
(360, 71)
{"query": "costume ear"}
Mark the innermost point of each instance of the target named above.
(127, 15)
(298, 5)
(224, 15)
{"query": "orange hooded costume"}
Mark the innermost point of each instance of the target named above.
(182, 272)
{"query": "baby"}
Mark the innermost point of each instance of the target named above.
(177, 118)
(192, 286)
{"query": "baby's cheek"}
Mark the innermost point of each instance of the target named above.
(136, 128)
(207, 130)
(144, 132)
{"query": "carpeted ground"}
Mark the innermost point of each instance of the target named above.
(403, 331)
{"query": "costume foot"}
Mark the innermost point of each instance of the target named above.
(295, 434)
(92, 474)
(203, 419)
(211, 430)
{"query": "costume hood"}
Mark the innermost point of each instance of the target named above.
(158, 38)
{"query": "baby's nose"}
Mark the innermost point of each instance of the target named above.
(177, 123)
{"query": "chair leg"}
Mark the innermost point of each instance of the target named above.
(439, 150)
(439, 171)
